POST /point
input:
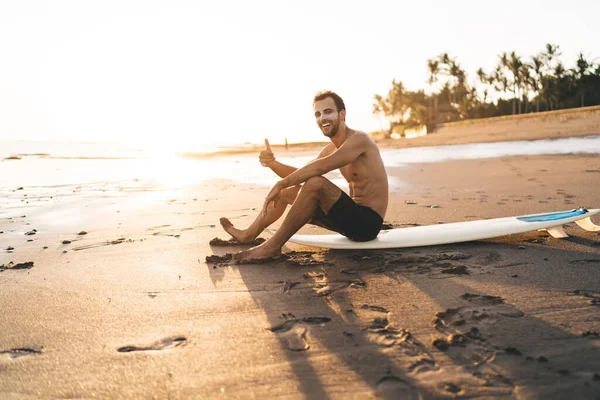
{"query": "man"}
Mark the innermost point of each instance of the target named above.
(315, 199)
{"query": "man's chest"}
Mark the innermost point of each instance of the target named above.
(352, 172)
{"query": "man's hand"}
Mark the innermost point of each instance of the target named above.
(273, 196)
(266, 156)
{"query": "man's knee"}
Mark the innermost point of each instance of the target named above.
(288, 195)
(315, 183)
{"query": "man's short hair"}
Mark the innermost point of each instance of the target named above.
(339, 103)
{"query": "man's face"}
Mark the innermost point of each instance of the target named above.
(327, 116)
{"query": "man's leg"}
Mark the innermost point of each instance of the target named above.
(316, 192)
(274, 212)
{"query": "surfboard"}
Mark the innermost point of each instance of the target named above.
(456, 232)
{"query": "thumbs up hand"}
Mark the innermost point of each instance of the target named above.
(266, 156)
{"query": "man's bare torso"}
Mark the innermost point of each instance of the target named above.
(366, 177)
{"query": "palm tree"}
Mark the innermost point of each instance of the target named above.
(499, 80)
(552, 53)
(444, 61)
(398, 100)
(395, 106)
(514, 65)
(457, 72)
(480, 74)
(433, 66)
(445, 58)
(559, 73)
(380, 105)
(508, 64)
(536, 81)
(543, 77)
(525, 74)
(418, 112)
(459, 81)
(454, 84)
(582, 68)
(483, 81)
(503, 59)
(560, 70)
(549, 82)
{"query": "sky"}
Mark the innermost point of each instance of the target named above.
(183, 75)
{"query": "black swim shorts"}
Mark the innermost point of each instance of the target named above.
(356, 222)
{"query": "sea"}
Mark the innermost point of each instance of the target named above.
(51, 163)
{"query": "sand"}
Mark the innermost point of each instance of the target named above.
(575, 122)
(121, 303)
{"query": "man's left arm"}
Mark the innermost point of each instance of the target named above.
(347, 153)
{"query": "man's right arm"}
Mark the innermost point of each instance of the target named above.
(281, 169)
(267, 159)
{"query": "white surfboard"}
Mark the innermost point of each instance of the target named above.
(458, 232)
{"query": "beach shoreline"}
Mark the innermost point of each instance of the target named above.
(580, 122)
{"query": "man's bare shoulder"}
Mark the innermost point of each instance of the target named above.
(327, 150)
(364, 135)
(362, 139)
(328, 147)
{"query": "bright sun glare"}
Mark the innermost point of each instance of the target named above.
(186, 76)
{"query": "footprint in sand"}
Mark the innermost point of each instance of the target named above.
(217, 260)
(470, 322)
(377, 330)
(423, 263)
(233, 242)
(466, 330)
(325, 288)
(391, 387)
(294, 332)
(302, 258)
(163, 344)
(586, 261)
(175, 232)
(492, 305)
(593, 295)
(306, 259)
(11, 265)
(106, 243)
(22, 351)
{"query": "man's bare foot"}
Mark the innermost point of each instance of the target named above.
(238, 234)
(257, 254)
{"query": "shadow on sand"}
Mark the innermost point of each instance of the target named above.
(417, 323)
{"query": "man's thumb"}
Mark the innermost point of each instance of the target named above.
(268, 145)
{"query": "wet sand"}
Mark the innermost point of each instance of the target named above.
(120, 301)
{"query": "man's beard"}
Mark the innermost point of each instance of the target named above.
(334, 130)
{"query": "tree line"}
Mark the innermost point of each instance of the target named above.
(515, 85)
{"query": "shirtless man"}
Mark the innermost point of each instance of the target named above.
(315, 199)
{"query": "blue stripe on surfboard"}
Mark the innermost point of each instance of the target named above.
(552, 216)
